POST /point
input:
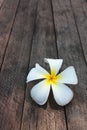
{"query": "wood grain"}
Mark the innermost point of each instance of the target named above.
(1, 2)
(31, 30)
(80, 16)
(7, 15)
(69, 48)
(50, 116)
(15, 65)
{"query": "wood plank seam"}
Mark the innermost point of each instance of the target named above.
(58, 55)
(66, 118)
(78, 32)
(47, 116)
(54, 27)
(68, 42)
(9, 35)
(16, 64)
(28, 65)
(80, 12)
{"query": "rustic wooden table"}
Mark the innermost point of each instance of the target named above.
(31, 30)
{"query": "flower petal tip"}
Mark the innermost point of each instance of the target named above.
(40, 92)
(66, 102)
(75, 75)
(36, 65)
(62, 94)
(48, 59)
(26, 81)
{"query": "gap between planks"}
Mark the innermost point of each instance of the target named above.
(78, 32)
(7, 42)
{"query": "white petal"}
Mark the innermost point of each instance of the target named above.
(62, 94)
(40, 92)
(41, 69)
(55, 64)
(68, 76)
(36, 73)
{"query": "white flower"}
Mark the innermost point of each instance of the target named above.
(61, 92)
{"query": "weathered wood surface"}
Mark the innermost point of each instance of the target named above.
(15, 67)
(49, 116)
(31, 30)
(79, 8)
(1, 2)
(7, 16)
(69, 48)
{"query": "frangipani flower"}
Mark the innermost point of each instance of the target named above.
(61, 92)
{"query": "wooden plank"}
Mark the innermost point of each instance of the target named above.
(69, 48)
(80, 14)
(14, 69)
(50, 116)
(7, 15)
(1, 2)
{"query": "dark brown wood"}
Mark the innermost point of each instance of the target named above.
(1, 2)
(80, 15)
(69, 48)
(14, 69)
(50, 116)
(7, 15)
(31, 30)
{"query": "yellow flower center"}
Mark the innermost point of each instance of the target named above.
(52, 78)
